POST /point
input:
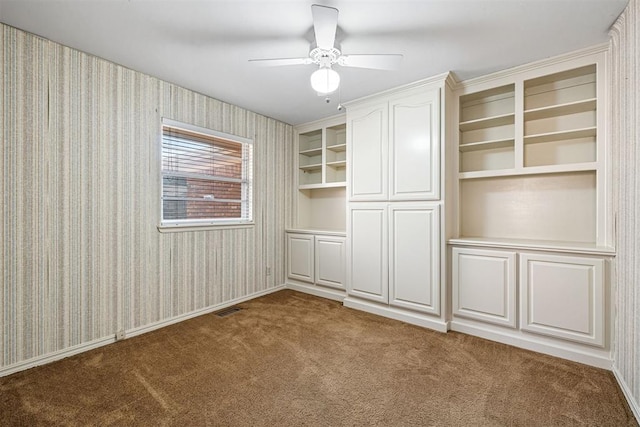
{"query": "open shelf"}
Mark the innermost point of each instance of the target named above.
(487, 122)
(561, 109)
(484, 145)
(337, 148)
(561, 135)
(312, 152)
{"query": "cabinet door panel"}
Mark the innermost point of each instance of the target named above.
(414, 147)
(367, 253)
(484, 285)
(300, 257)
(563, 296)
(367, 151)
(415, 257)
(330, 261)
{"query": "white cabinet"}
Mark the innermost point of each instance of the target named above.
(414, 256)
(368, 251)
(563, 296)
(300, 248)
(368, 142)
(393, 148)
(484, 285)
(330, 261)
(533, 219)
(316, 258)
(414, 146)
(395, 234)
(394, 254)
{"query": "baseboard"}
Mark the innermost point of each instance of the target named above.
(81, 348)
(599, 358)
(393, 313)
(56, 355)
(633, 403)
(333, 294)
(161, 324)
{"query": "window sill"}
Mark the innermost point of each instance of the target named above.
(178, 228)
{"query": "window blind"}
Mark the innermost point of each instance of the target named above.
(206, 178)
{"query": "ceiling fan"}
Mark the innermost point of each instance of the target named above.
(325, 80)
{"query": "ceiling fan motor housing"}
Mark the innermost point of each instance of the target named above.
(325, 57)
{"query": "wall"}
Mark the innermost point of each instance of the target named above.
(81, 255)
(625, 36)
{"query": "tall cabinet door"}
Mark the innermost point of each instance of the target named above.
(414, 256)
(414, 146)
(367, 256)
(367, 152)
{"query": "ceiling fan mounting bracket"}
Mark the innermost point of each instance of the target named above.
(325, 57)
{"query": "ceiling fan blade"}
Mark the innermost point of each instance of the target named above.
(376, 62)
(277, 62)
(325, 22)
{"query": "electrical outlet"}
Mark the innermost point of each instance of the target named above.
(120, 335)
(268, 271)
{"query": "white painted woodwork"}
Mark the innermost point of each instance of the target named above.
(414, 146)
(367, 256)
(563, 296)
(321, 147)
(322, 209)
(300, 248)
(533, 154)
(330, 259)
(558, 207)
(367, 152)
(484, 285)
(533, 183)
(414, 256)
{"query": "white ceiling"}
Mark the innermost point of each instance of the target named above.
(205, 45)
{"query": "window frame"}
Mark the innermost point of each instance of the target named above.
(173, 225)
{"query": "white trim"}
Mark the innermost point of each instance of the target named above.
(592, 50)
(174, 228)
(153, 326)
(205, 131)
(56, 355)
(81, 348)
(397, 314)
(597, 357)
(332, 294)
(628, 394)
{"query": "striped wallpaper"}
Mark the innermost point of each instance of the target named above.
(81, 254)
(625, 36)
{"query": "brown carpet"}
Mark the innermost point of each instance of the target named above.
(290, 359)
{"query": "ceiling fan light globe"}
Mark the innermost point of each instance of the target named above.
(325, 80)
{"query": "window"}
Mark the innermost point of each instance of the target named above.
(206, 177)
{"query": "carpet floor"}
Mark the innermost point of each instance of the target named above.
(291, 359)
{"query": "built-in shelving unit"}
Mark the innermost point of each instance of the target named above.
(316, 238)
(528, 159)
(534, 226)
(487, 136)
(560, 118)
(322, 160)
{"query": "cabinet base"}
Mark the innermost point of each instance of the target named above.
(397, 314)
(319, 291)
(600, 358)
